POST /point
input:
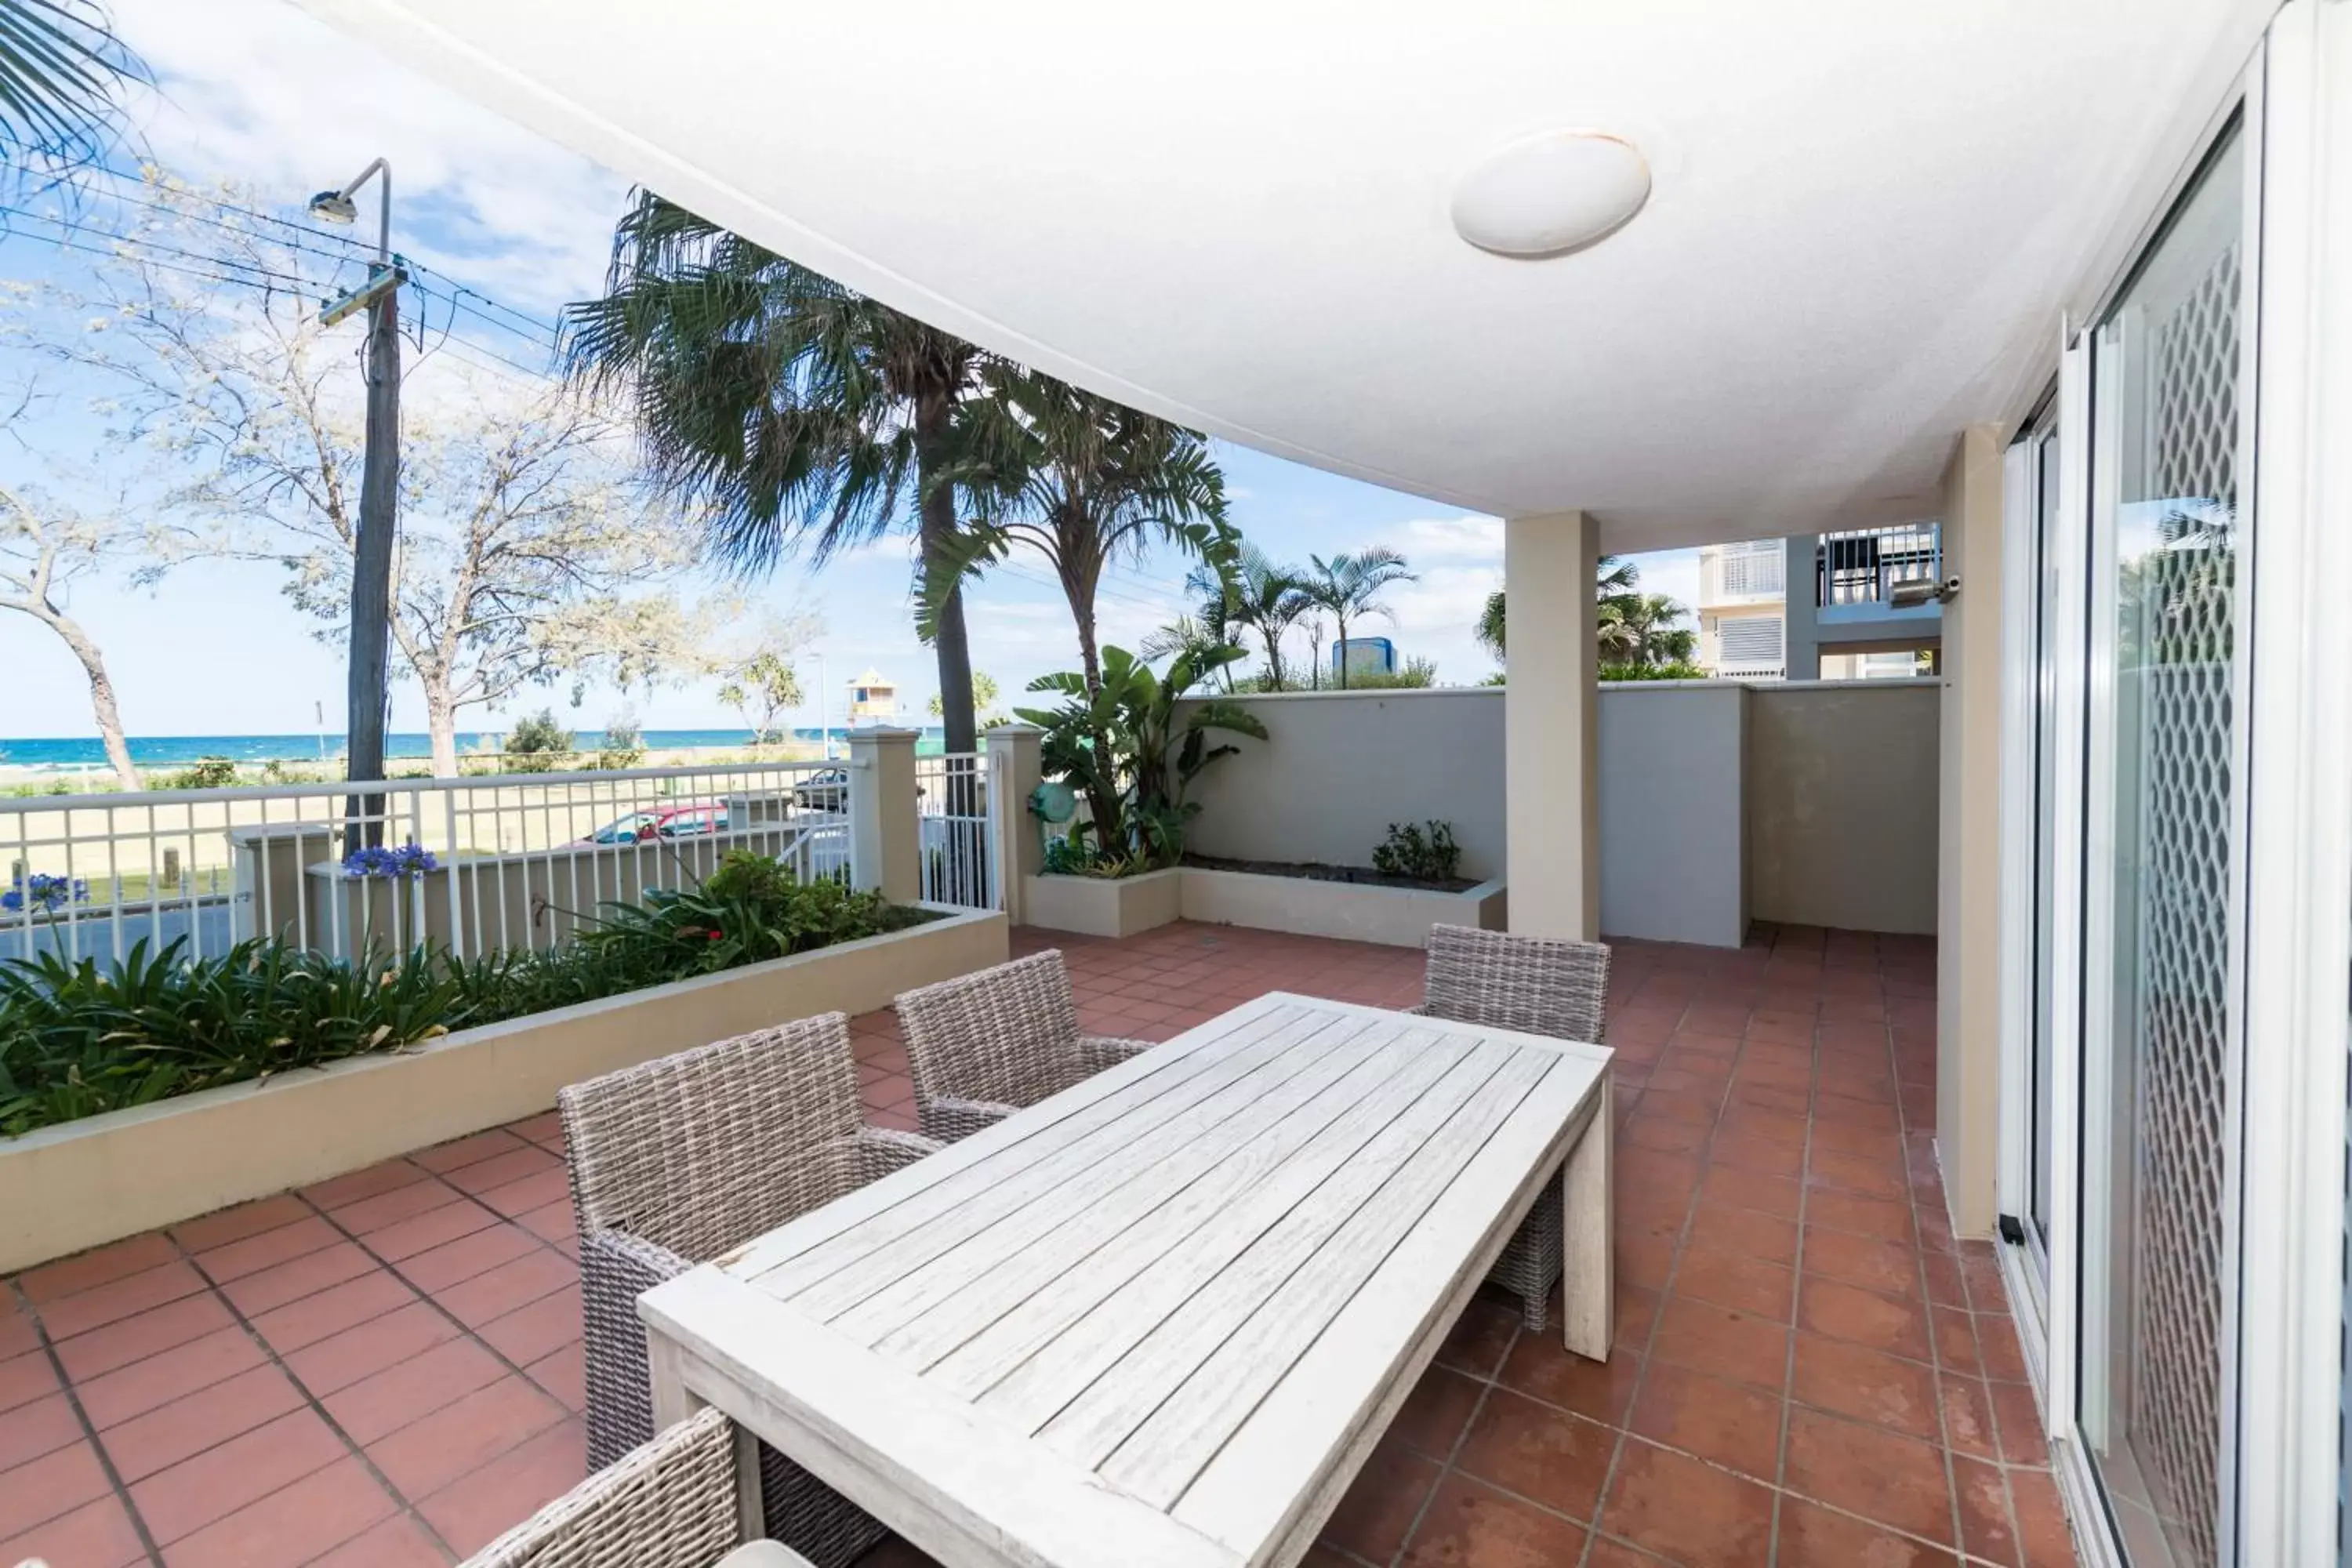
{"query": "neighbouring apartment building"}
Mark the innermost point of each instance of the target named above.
(1820, 606)
(1743, 619)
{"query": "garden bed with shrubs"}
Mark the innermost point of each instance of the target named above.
(1317, 872)
(79, 1038)
(1422, 856)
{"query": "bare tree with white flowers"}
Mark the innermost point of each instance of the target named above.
(528, 553)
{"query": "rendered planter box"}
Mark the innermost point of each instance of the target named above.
(1122, 906)
(85, 1183)
(1358, 911)
(1105, 905)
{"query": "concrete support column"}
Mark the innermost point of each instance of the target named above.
(885, 841)
(1967, 875)
(1013, 770)
(1551, 718)
(1800, 634)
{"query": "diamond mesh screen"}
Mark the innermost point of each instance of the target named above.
(2181, 614)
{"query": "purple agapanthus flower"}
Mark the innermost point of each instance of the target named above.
(44, 892)
(387, 860)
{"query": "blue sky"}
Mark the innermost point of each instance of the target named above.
(259, 93)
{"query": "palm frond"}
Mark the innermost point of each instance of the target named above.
(777, 403)
(61, 68)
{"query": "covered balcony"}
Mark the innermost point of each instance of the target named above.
(1624, 279)
(385, 1368)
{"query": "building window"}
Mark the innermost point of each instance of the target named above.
(1751, 643)
(1753, 568)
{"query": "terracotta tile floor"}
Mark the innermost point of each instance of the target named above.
(385, 1369)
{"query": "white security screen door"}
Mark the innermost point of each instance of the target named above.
(2164, 920)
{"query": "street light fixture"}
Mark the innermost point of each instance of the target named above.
(337, 206)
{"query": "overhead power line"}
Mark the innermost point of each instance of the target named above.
(67, 227)
(303, 237)
(92, 240)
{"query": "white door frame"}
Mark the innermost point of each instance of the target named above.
(2025, 556)
(2299, 866)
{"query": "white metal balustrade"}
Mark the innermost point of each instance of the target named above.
(959, 860)
(517, 860)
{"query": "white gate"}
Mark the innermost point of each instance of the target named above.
(959, 853)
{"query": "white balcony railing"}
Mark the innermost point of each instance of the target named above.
(517, 859)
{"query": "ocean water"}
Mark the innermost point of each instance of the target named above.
(177, 751)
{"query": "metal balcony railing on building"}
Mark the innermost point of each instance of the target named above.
(1860, 567)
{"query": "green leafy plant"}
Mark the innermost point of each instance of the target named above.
(1425, 851)
(1415, 674)
(205, 772)
(537, 744)
(77, 1039)
(1127, 747)
(624, 745)
(1652, 672)
(750, 909)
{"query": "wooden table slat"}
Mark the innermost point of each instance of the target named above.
(798, 1254)
(1159, 1457)
(1344, 1390)
(922, 1317)
(1156, 1266)
(1095, 1163)
(1098, 1420)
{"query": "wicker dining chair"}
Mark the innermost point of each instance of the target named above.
(679, 1160)
(1539, 987)
(668, 1503)
(983, 1047)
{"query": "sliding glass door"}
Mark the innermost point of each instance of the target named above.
(2162, 935)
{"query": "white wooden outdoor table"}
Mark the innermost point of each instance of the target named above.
(1160, 1320)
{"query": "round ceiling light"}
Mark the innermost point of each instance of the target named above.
(1552, 194)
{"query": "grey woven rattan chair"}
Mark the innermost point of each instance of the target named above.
(669, 1503)
(984, 1046)
(1556, 988)
(681, 1159)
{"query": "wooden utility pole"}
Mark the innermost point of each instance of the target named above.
(370, 697)
(371, 651)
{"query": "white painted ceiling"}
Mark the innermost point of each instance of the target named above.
(1866, 214)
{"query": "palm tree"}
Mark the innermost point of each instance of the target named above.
(1645, 619)
(1351, 585)
(60, 67)
(1613, 580)
(1082, 480)
(792, 411)
(1619, 641)
(1268, 599)
(1215, 620)
(1489, 629)
(1186, 636)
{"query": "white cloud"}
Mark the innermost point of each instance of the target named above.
(1466, 538)
(259, 94)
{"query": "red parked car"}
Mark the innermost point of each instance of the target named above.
(669, 822)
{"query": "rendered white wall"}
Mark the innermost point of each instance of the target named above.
(1672, 859)
(1338, 767)
(1841, 791)
(1809, 803)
